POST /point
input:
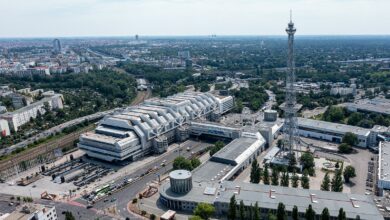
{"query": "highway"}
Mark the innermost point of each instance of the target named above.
(131, 191)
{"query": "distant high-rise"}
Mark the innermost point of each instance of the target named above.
(136, 37)
(56, 46)
(290, 108)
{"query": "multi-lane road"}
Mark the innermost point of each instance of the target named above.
(126, 194)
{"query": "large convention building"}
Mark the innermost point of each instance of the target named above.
(152, 125)
(213, 183)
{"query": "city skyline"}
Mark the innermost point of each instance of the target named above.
(73, 18)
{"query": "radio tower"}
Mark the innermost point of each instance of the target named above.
(290, 109)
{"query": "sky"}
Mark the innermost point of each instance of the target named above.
(67, 18)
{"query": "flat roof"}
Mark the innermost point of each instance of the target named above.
(235, 148)
(269, 197)
(379, 105)
(180, 174)
(332, 127)
(384, 161)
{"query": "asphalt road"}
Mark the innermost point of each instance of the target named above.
(131, 191)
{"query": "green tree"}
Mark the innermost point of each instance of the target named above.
(271, 216)
(182, 163)
(337, 181)
(349, 172)
(250, 212)
(266, 179)
(305, 181)
(334, 114)
(204, 210)
(325, 185)
(294, 180)
(345, 148)
(342, 215)
(195, 217)
(294, 214)
(281, 212)
(255, 172)
(195, 162)
(256, 212)
(275, 177)
(69, 216)
(292, 161)
(285, 181)
(307, 162)
(310, 213)
(325, 214)
(242, 210)
(232, 212)
(350, 138)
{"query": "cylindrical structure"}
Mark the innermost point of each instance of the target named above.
(270, 115)
(181, 181)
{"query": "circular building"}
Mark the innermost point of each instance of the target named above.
(181, 181)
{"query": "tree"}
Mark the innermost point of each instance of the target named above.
(271, 216)
(337, 181)
(232, 208)
(266, 180)
(281, 212)
(275, 177)
(152, 217)
(342, 215)
(256, 212)
(285, 181)
(292, 161)
(350, 138)
(310, 213)
(250, 212)
(325, 185)
(294, 214)
(182, 163)
(255, 172)
(307, 161)
(345, 148)
(334, 114)
(294, 180)
(204, 210)
(69, 216)
(305, 181)
(349, 172)
(242, 210)
(195, 162)
(325, 214)
(195, 217)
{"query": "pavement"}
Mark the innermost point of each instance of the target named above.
(125, 195)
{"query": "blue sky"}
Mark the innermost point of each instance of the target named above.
(64, 18)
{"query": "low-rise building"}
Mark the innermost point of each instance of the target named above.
(384, 167)
(377, 105)
(212, 183)
(32, 212)
(4, 128)
(333, 132)
(23, 115)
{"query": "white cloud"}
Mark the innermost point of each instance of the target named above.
(25, 18)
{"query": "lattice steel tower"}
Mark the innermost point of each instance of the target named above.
(290, 108)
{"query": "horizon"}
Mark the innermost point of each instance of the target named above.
(84, 18)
